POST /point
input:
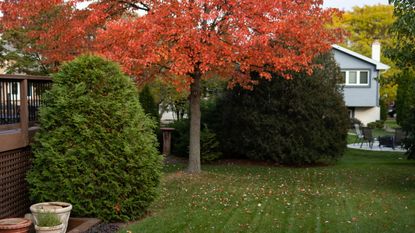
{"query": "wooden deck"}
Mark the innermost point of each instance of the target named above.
(20, 98)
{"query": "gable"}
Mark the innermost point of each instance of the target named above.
(346, 61)
(345, 56)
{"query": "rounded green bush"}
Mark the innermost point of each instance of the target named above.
(96, 148)
(299, 121)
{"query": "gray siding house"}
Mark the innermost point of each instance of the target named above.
(361, 86)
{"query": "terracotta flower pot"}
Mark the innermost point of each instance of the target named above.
(15, 225)
(54, 229)
(62, 209)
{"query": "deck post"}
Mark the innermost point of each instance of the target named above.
(24, 112)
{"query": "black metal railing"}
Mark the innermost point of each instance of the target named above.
(9, 102)
(12, 94)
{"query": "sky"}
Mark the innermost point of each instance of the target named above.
(348, 4)
(341, 4)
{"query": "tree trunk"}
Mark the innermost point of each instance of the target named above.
(194, 147)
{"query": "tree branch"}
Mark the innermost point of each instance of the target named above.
(143, 6)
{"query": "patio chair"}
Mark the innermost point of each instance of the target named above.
(400, 135)
(359, 133)
(386, 141)
(367, 137)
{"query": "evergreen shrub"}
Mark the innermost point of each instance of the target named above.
(383, 109)
(209, 149)
(298, 121)
(150, 107)
(148, 103)
(379, 124)
(409, 142)
(405, 98)
(96, 148)
(405, 108)
(180, 137)
(209, 144)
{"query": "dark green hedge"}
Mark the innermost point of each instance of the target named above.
(405, 108)
(210, 146)
(405, 99)
(299, 121)
(148, 103)
(96, 148)
(409, 128)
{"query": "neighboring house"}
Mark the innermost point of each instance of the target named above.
(361, 86)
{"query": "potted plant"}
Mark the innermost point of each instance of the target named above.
(15, 225)
(60, 209)
(48, 222)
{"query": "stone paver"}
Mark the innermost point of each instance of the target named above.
(375, 147)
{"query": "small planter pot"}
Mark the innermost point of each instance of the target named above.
(15, 225)
(61, 209)
(54, 229)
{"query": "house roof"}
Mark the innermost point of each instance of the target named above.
(379, 65)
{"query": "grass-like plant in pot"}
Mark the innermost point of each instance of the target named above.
(48, 222)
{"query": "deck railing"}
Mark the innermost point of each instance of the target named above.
(20, 99)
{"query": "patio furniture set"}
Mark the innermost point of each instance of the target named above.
(365, 134)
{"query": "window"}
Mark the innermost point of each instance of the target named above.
(356, 77)
(352, 77)
(343, 76)
(364, 77)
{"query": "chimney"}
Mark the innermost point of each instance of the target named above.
(376, 50)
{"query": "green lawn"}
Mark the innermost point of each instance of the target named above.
(364, 192)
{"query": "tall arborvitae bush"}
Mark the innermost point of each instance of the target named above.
(96, 148)
(409, 128)
(298, 121)
(148, 103)
(405, 98)
(405, 108)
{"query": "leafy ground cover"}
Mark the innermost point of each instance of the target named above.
(364, 192)
(391, 123)
(351, 138)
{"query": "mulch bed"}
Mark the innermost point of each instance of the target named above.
(171, 159)
(106, 228)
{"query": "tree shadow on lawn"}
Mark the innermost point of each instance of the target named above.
(356, 159)
(355, 156)
(259, 163)
(391, 179)
(400, 183)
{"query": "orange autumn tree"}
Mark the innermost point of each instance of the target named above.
(182, 41)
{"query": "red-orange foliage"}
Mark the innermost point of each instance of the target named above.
(230, 37)
(181, 40)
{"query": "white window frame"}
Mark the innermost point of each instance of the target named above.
(347, 83)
